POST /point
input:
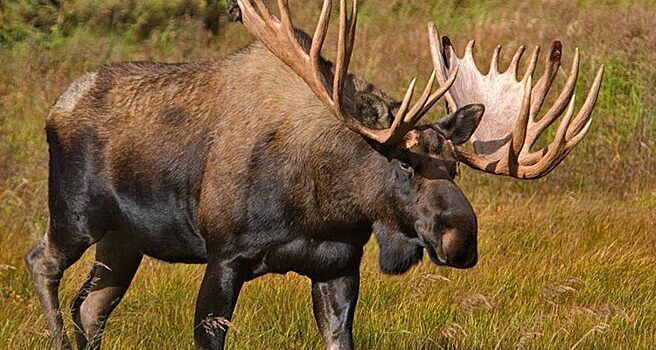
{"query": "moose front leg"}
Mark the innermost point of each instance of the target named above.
(334, 302)
(216, 302)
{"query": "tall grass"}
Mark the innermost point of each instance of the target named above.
(566, 262)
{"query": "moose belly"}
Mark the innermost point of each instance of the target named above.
(313, 258)
(165, 230)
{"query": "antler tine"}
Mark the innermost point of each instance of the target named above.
(575, 133)
(320, 33)
(404, 121)
(514, 64)
(531, 65)
(506, 134)
(317, 45)
(551, 66)
(570, 135)
(283, 6)
(469, 50)
(542, 88)
(549, 157)
(521, 126)
(444, 87)
(541, 162)
(559, 139)
(536, 100)
(279, 36)
(561, 102)
(478, 162)
(438, 63)
(555, 149)
(583, 116)
(494, 62)
(344, 48)
(578, 137)
(563, 151)
(400, 115)
(413, 116)
(352, 25)
(264, 12)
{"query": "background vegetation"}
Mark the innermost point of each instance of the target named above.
(566, 262)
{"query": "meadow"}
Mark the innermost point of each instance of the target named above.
(565, 262)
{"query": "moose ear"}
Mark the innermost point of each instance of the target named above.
(459, 126)
(372, 111)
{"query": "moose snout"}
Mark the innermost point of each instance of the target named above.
(452, 247)
(450, 231)
(460, 248)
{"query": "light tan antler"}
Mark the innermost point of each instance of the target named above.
(278, 35)
(503, 140)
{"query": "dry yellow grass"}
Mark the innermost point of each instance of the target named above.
(566, 262)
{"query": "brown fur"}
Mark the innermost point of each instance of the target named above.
(237, 163)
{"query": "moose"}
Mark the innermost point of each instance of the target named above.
(277, 160)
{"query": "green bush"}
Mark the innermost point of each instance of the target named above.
(23, 19)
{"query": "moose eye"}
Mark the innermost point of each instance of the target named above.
(403, 173)
(405, 166)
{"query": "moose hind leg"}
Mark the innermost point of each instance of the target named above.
(46, 261)
(117, 261)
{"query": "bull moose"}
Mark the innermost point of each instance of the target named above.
(275, 159)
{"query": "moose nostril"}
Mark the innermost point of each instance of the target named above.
(450, 238)
(460, 247)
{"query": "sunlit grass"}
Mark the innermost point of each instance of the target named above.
(565, 262)
(571, 270)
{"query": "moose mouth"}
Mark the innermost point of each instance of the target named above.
(435, 251)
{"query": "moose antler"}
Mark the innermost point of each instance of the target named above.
(503, 140)
(279, 36)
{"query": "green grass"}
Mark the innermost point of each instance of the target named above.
(565, 262)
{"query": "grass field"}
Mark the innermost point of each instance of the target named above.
(566, 262)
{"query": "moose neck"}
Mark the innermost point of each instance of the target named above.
(304, 162)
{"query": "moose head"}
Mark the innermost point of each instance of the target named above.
(496, 112)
